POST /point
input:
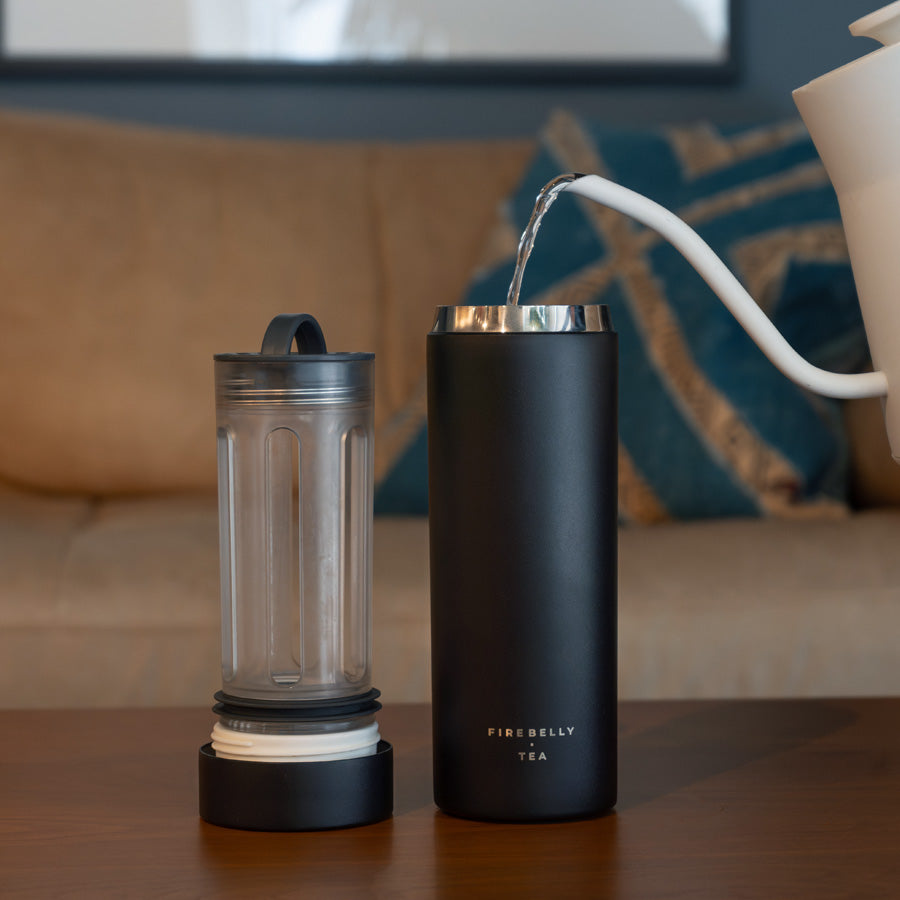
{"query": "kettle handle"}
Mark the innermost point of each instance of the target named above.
(729, 290)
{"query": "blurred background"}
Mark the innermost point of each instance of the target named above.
(777, 47)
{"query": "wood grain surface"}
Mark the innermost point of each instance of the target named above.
(718, 799)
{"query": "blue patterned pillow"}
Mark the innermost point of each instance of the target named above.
(707, 426)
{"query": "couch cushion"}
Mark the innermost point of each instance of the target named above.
(131, 255)
(116, 603)
(108, 603)
(708, 427)
(760, 608)
(434, 207)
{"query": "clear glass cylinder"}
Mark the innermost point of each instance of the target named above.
(295, 510)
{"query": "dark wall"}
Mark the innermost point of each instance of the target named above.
(782, 44)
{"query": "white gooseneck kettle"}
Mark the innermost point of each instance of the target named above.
(853, 116)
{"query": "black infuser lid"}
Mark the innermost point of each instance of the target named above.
(310, 376)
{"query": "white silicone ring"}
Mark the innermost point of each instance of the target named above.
(253, 747)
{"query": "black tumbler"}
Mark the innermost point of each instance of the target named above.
(522, 457)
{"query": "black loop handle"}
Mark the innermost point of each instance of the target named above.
(284, 330)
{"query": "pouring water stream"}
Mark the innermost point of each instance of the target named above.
(545, 199)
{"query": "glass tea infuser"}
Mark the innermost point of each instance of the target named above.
(296, 745)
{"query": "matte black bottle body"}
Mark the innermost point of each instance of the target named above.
(522, 473)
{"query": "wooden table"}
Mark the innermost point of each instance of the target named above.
(769, 799)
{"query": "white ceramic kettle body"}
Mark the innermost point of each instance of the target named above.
(853, 116)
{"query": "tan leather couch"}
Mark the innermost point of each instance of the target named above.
(129, 256)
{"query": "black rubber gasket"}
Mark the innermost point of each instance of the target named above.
(292, 710)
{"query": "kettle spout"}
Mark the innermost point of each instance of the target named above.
(729, 290)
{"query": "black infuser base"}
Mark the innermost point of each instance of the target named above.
(296, 796)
